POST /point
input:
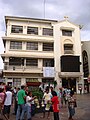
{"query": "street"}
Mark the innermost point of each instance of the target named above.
(82, 110)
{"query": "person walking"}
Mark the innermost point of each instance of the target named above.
(21, 96)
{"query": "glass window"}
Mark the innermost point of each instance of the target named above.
(68, 47)
(16, 61)
(15, 45)
(32, 30)
(31, 62)
(48, 31)
(16, 29)
(66, 33)
(17, 82)
(32, 46)
(85, 64)
(48, 47)
(48, 63)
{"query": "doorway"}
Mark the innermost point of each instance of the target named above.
(69, 83)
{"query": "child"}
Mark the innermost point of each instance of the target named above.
(71, 106)
(29, 99)
(55, 104)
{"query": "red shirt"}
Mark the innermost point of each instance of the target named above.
(55, 103)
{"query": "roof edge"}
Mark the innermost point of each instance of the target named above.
(28, 19)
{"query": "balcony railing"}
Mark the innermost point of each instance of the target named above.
(25, 69)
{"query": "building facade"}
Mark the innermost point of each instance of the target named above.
(86, 65)
(40, 51)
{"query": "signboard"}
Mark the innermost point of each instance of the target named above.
(48, 72)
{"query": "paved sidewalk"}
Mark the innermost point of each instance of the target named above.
(82, 110)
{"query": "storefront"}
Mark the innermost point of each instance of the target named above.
(69, 83)
(33, 84)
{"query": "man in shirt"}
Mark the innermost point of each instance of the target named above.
(7, 102)
(21, 96)
(46, 97)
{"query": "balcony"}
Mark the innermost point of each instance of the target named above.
(69, 74)
(22, 69)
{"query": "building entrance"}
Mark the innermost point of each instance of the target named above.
(69, 83)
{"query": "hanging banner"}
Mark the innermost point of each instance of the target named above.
(48, 72)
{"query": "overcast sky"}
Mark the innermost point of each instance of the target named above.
(78, 12)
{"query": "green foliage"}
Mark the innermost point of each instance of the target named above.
(39, 94)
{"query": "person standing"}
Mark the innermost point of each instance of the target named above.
(7, 102)
(2, 98)
(56, 106)
(15, 101)
(46, 98)
(21, 96)
(80, 90)
(29, 100)
(71, 105)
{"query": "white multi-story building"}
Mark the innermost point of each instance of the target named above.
(42, 51)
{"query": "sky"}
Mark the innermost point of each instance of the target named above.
(78, 12)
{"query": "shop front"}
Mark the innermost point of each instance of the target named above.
(33, 84)
(69, 83)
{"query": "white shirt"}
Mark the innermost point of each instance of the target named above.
(28, 98)
(8, 100)
(47, 96)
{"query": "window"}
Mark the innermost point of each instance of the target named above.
(15, 45)
(48, 63)
(32, 46)
(31, 62)
(48, 31)
(17, 82)
(66, 33)
(48, 47)
(85, 64)
(16, 29)
(70, 63)
(68, 48)
(32, 30)
(16, 61)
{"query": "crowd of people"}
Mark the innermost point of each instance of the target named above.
(25, 104)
